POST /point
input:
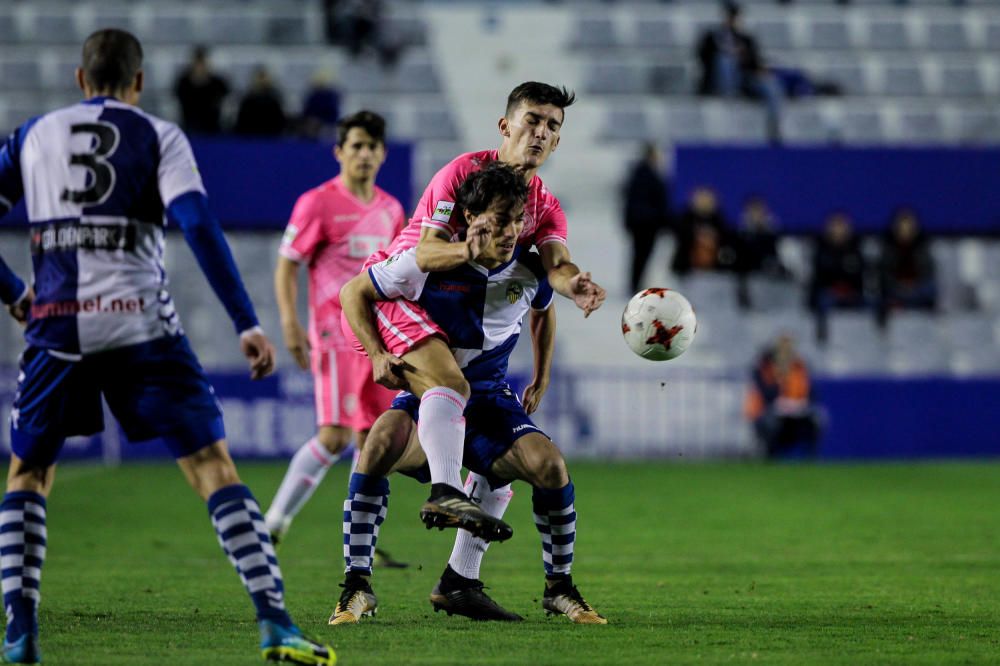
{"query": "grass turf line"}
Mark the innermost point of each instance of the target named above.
(690, 563)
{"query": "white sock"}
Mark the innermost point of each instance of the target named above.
(441, 429)
(467, 554)
(305, 471)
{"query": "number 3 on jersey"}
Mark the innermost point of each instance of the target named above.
(100, 179)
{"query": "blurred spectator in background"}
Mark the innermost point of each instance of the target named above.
(200, 93)
(780, 401)
(647, 210)
(702, 236)
(321, 107)
(261, 112)
(756, 247)
(358, 26)
(838, 271)
(906, 267)
(731, 65)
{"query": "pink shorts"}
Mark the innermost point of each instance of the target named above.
(401, 324)
(346, 394)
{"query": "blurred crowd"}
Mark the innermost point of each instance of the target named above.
(900, 275)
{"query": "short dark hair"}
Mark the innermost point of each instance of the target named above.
(111, 59)
(539, 93)
(494, 181)
(369, 121)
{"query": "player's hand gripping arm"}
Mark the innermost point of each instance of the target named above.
(567, 279)
(14, 293)
(543, 338)
(286, 292)
(201, 231)
(357, 297)
(436, 252)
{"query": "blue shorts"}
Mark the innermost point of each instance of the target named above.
(155, 389)
(494, 420)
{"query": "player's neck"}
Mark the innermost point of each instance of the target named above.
(362, 189)
(506, 159)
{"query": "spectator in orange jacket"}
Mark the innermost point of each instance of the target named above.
(780, 401)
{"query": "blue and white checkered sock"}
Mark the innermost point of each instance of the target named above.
(555, 518)
(364, 511)
(22, 551)
(243, 537)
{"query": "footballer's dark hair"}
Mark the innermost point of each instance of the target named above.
(494, 181)
(539, 93)
(369, 121)
(111, 59)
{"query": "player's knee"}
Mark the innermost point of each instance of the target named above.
(458, 384)
(550, 471)
(377, 448)
(334, 440)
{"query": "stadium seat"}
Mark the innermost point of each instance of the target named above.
(21, 73)
(903, 80)
(737, 122)
(918, 127)
(657, 34)
(685, 123)
(615, 77)
(829, 33)
(773, 34)
(861, 126)
(980, 125)
(241, 27)
(850, 76)
(434, 123)
(804, 125)
(54, 25)
(173, 27)
(887, 34)
(628, 122)
(946, 36)
(594, 32)
(961, 80)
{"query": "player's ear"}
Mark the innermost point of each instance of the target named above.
(138, 82)
(556, 144)
(80, 81)
(504, 126)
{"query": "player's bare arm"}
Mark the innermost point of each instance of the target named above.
(20, 309)
(543, 337)
(286, 289)
(436, 252)
(357, 297)
(567, 279)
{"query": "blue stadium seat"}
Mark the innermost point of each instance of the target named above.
(887, 33)
(773, 34)
(685, 122)
(947, 36)
(961, 80)
(21, 72)
(903, 80)
(594, 32)
(627, 123)
(862, 126)
(657, 34)
(802, 124)
(172, 26)
(615, 77)
(52, 26)
(828, 33)
(920, 126)
(242, 27)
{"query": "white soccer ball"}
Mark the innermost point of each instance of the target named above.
(658, 324)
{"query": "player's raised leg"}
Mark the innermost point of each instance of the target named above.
(459, 590)
(536, 459)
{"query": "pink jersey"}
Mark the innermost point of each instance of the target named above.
(333, 232)
(544, 220)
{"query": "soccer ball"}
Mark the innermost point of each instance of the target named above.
(658, 324)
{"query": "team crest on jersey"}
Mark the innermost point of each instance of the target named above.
(514, 292)
(442, 211)
(390, 260)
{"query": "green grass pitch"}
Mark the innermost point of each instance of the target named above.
(787, 564)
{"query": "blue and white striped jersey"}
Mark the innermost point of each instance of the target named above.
(97, 178)
(479, 309)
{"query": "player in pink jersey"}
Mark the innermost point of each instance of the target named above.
(406, 347)
(333, 229)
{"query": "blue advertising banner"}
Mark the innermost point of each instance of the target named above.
(252, 184)
(952, 189)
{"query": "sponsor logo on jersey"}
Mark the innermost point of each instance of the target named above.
(524, 426)
(443, 210)
(63, 236)
(514, 292)
(96, 305)
(460, 287)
